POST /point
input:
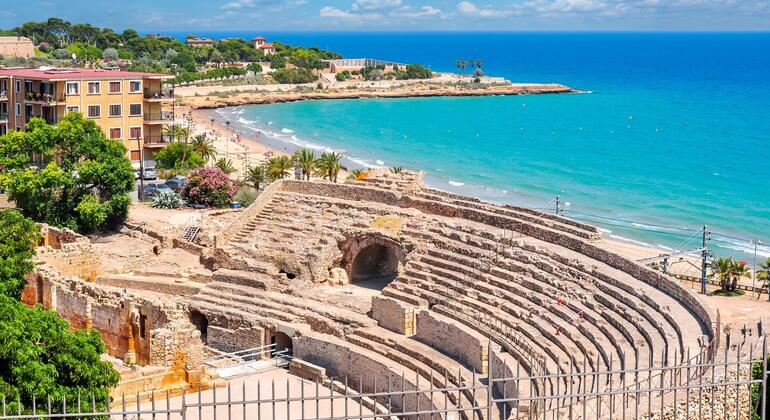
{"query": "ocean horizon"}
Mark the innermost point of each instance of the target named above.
(674, 135)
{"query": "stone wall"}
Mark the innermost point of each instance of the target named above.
(16, 46)
(502, 365)
(393, 315)
(69, 253)
(355, 192)
(264, 197)
(453, 339)
(232, 340)
(342, 359)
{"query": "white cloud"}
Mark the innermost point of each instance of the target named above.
(238, 4)
(411, 12)
(333, 12)
(467, 8)
(375, 4)
(569, 6)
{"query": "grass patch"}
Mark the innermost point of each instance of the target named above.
(731, 293)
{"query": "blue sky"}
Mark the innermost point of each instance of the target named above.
(385, 15)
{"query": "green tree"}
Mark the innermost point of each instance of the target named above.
(279, 167)
(40, 357)
(179, 156)
(306, 160)
(257, 176)
(83, 174)
(328, 166)
(18, 238)
(763, 274)
(110, 54)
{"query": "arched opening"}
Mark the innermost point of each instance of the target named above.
(282, 343)
(39, 289)
(375, 266)
(201, 323)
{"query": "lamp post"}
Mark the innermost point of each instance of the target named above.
(227, 140)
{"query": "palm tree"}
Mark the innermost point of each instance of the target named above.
(279, 167)
(478, 64)
(473, 64)
(397, 170)
(465, 63)
(256, 175)
(204, 147)
(305, 159)
(328, 166)
(358, 175)
(458, 64)
(176, 132)
(763, 275)
(728, 271)
(226, 165)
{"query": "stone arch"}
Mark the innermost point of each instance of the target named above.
(372, 258)
(282, 342)
(201, 323)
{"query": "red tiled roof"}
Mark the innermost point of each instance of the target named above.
(267, 46)
(258, 38)
(62, 74)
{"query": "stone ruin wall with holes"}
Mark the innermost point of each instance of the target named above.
(157, 328)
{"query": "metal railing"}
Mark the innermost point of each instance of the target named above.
(162, 139)
(693, 388)
(159, 93)
(3, 117)
(159, 116)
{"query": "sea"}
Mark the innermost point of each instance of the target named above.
(672, 135)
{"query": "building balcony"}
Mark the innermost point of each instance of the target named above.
(44, 99)
(159, 95)
(3, 118)
(157, 142)
(48, 120)
(163, 117)
(4, 95)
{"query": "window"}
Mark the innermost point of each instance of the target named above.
(136, 155)
(94, 88)
(135, 110)
(116, 87)
(115, 133)
(18, 86)
(135, 133)
(28, 110)
(18, 109)
(73, 88)
(94, 111)
(73, 109)
(28, 86)
(134, 86)
(116, 110)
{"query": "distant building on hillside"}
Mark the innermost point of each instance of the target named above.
(16, 46)
(200, 42)
(266, 47)
(130, 107)
(350, 64)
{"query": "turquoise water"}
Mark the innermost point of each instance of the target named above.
(676, 133)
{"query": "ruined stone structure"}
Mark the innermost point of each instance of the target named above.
(386, 278)
(16, 46)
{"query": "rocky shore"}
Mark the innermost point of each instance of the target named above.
(255, 97)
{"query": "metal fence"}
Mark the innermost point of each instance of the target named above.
(693, 388)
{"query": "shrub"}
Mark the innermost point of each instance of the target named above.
(246, 196)
(91, 214)
(179, 156)
(294, 76)
(62, 54)
(110, 54)
(210, 187)
(167, 200)
(476, 80)
(226, 165)
(478, 73)
(340, 77)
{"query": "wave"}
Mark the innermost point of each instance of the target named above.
(379, 162)
(286, 130)
(456, 184)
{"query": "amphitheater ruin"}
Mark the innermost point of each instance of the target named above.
(384, 282)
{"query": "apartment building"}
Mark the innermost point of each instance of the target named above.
(130, 107)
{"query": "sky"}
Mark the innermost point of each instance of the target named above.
(401, 15)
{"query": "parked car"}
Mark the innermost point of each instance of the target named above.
(176, 183)
(150, 173)
(151, 190)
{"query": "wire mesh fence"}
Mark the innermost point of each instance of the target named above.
(698, 387)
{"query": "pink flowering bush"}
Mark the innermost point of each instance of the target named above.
(210, 187)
